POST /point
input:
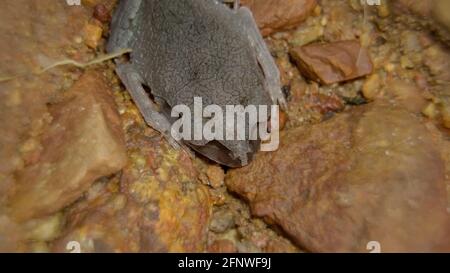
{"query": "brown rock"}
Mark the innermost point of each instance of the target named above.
(156, 203)
(373, 174)
(93, 33)
(177, 206)
(439, 10)
(323, 103)
(112, 226)
(276, 15)
(420, 7)
(409, 95)
(102, 13)
(343, 20)
(430, 13)
(10, 236)
(34, 42)
(222, 246)
(159, 207)
(437, 60)
(283, 119)
(333, 62)
(221, 221)
(84, 142)
(215, 175)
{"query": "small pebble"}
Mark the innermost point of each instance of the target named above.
(101, 13)
(222, 220)
(216, 176)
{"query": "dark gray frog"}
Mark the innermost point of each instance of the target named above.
(183, 49)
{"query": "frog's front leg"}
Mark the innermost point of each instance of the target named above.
(265, 59)
(149, 110)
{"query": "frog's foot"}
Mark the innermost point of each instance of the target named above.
(265, 59)
(149, 110)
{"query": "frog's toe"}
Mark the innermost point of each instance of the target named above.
(149, 110)
(281, 100)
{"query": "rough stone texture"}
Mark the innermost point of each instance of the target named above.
(431, 13)
(420, 7)
(83, 143)
(276, 15)
(215, 175)
(435, 9)
(111, 225)
(38, 32)
(222, 246)
(333, 62)
(10, 236)
(157, 206)
(373, 174)
(439, 10)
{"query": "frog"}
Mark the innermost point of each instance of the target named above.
(185, 49)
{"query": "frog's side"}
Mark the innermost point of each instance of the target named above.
(194, 48)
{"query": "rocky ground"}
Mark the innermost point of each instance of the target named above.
(364, 155)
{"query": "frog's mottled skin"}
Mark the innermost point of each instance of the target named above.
(183, 49)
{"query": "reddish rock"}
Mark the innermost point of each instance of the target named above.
(372, 174)
(420, 7)
(111, 226)
(333, 62)
(215, 176)
(283, 119)
(102, 13)
(410, 96)
(276, 15)
(83, 143)
(177, 207)
(37, 32)
(324, 103)
(11, 237)
(432, 14)
(222, 246)
(159, 205)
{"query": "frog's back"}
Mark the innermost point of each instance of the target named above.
(193, 48)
